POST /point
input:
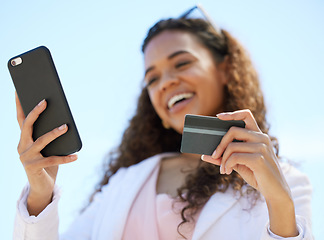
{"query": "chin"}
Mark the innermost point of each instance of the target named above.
(179, 130)
(178, 127)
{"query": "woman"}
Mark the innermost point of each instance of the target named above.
(150, 190)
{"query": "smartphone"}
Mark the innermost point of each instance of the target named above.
(35, 78)
(202, 134)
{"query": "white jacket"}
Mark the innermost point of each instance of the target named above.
(225, 215)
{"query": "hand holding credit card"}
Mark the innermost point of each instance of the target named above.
(202, 134)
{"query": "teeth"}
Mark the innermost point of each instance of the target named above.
(177, 98)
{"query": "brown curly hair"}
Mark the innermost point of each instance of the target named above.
(145, 136)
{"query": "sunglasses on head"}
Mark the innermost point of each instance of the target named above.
(199, 12)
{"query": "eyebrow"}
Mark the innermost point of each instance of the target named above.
(169, 57)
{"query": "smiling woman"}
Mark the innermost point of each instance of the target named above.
(178, 61)
(152, 191)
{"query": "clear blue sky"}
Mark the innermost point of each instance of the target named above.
(96, 48)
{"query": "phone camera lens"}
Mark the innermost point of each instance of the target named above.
(16, 61)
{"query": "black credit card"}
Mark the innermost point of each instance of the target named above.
(202, 134)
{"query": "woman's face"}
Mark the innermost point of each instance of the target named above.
(182, 78)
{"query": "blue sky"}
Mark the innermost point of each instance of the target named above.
(96, 49)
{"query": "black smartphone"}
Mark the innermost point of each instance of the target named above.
(202, 134)
(35, 78)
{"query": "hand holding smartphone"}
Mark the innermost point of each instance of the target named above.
(35, 78)
(202, 134)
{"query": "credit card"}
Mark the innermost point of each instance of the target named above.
(202, 134)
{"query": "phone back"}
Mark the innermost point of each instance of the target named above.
(35, 79)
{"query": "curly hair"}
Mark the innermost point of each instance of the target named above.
(145, 136)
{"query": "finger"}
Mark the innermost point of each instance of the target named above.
(211, 160)
(240, 134)
(246, 164)
(245, 115)
(51, 161)
(249, 160)
(243, 147)
(240, 147)
(44, 140)
(58, 160)
(20, 112)
(27, 126)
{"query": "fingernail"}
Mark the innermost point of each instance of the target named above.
(202, 157)
(214, 154)
(73, 157)
(41, 102)
(62, 127)
(223, 114)
(220, 169)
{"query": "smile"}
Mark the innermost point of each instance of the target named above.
(179, 98)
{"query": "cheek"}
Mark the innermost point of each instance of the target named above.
(152, 96)
(155, 102)
(213, 97)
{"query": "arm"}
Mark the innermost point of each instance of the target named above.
(41, 173)
(301, 192)
(46, 224)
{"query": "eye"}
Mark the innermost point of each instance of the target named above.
(182, 63)
(151, 81)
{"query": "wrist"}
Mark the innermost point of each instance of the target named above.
(36, 203)
(282, 217)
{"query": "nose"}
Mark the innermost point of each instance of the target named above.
(168, 80)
